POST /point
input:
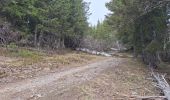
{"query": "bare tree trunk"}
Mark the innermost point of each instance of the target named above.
(159, 58)
(35, 39)
(39, 40)
(118, 45)
(135, 52)
(62, 43)
(58, 43)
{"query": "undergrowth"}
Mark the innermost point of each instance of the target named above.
(15, 51)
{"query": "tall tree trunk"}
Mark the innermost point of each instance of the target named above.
(62, 42)
(135, 54)
(35, 40)
(40, 40)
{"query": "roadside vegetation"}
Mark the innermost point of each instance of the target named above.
(22, 63)
(142, 26)
(127, 81)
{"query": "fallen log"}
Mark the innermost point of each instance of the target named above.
(93, 52)
(162, 84)
(150, 97)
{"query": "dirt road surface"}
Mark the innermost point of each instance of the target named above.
(109, 79)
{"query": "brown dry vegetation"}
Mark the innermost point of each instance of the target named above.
(122, 78)
(124, 82)
(24, 63)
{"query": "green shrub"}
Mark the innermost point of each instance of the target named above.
(12, 47)
(18, 52)
(26, 54)
(153, 47)
(168, 46)
(163, 65)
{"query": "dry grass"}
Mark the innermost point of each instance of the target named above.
(20, 57)
(24, 57)
(120, 83)
(27, 63)
(123, 82)
(71, 58)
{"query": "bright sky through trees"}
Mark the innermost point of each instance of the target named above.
(98, 10)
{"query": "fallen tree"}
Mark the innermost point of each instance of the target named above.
(94, 52)
(162, 84)
(150, 97)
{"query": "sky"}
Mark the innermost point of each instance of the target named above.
(98, 10)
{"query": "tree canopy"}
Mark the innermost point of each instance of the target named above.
(66, 19)
(141, 24)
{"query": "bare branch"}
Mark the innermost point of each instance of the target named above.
(162, 84)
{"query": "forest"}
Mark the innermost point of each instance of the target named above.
(45, 35)
(45, 23)
(142, 26)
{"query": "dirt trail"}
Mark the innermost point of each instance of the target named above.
(40, 86)
(110, 79)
